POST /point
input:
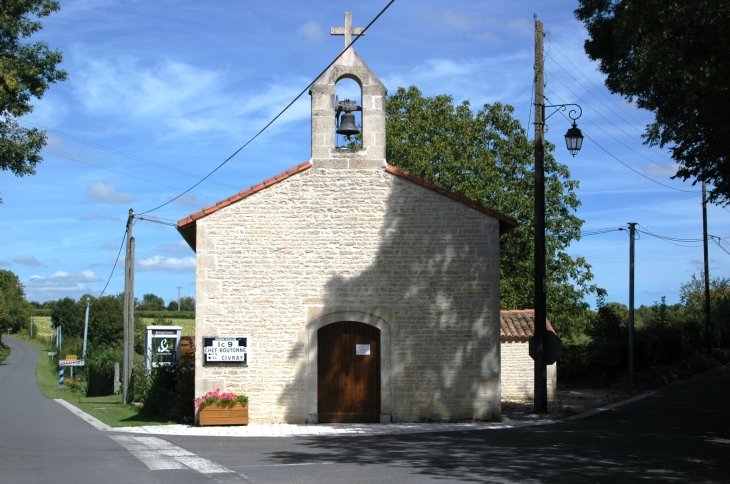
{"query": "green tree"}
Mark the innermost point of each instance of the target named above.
(105, 321)
(187, 303)
(68, 314)
(14, 309)
(487, 157)
(151, 302)
(671, 59)
(26, 70)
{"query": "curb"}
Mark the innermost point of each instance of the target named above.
(95, 422)
(607, 407)
(305, 430)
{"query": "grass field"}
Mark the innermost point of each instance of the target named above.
(109, 409)
(188, 325)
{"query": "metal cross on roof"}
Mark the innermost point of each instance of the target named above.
(348, 30)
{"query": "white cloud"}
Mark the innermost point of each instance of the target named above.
(59, 284)
(98, 216)
(312, 31)
(452, 21)
(110, 246)
(175, 99)
(187, 200)
(107, 193)
(174, 247)
(167, 264)
(29, 261)
(654, 169)
(4, 263)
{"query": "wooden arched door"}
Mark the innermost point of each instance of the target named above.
(348, 373)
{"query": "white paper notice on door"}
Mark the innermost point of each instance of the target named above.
(362, 350)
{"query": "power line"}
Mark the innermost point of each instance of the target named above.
(278, 115)
(635, 171)
(605, 132)
(119, 172)
(126, 155)
(591, 82)
(121, 246)
(588, 233)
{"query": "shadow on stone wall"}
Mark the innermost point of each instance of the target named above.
(436, 264)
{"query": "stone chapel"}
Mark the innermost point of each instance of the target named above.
(346, 289)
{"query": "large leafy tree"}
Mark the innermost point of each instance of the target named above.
(14, 309)
(151, 302)
(487, 157)
(68, 314)
(26, 71)
(671, 58)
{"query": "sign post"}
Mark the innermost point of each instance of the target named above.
(69, 361)
(162, 346)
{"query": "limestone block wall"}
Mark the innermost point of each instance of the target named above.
(518, 372)
(358, 242)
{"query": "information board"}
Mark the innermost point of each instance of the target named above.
(225, 350)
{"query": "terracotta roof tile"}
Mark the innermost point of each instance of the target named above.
(519, 324)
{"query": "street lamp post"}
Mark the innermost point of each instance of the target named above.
(574, 141)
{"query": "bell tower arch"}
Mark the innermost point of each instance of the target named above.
(349, 65)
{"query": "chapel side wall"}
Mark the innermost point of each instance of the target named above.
(518, 372)
(325, 240)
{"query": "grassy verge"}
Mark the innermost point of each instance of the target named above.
(4, 352)
(109, 409)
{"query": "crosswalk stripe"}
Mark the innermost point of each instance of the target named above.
(159, 454)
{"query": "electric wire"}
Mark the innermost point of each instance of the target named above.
(635, 171)
(278, 115)
(121, 246)
(155, 220)
(589, 233)
(126, 155)
(120, 173)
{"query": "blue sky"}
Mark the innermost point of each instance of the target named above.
(161, 92)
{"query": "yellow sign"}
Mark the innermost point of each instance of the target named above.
(71, 357)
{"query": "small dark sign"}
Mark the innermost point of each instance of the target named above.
(225, 350)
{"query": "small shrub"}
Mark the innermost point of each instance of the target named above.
(171, 391)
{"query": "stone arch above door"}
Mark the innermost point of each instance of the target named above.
(374, 317)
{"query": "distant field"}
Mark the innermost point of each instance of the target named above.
(42, 328)
(188, 325)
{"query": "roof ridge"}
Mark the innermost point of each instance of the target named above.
(506, 223)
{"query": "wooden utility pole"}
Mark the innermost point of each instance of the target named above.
(128, 350)
(540, 283)
(708, 313)
(632, 233)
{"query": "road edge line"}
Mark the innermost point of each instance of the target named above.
(607, 407)
(93, 421)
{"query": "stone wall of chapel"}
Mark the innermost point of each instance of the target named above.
(518, 372)
(350, 238)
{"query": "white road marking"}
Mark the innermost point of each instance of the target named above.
(286, 465)
(160, 454)
(98, 424)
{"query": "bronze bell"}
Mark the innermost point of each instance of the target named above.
(347, 125)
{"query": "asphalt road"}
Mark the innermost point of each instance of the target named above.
(680, 434)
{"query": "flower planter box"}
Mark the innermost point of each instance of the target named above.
(223, 414)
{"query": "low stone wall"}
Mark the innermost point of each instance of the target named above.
(518, 370)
